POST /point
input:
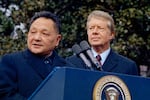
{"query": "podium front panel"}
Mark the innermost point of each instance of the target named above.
(80, 84)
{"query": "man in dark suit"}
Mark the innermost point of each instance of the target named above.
(101, 31)
(22, 72)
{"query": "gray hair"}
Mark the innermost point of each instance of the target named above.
(102, 14)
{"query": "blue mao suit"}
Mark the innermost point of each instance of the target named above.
(114, 63)
(21, 73)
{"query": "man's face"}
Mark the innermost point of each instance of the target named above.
(42, 36)
(98, 33)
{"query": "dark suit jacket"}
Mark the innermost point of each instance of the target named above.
(21, 73)
(114, 63)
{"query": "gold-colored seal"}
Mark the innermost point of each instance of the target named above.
(111, 87)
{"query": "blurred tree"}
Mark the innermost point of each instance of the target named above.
(6, 25)
(132, 18)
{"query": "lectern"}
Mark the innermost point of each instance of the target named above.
(80, 84)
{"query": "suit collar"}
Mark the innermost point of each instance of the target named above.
(37, 62)
(110, 62)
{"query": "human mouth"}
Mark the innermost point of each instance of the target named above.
(37, 45)
(95, 38)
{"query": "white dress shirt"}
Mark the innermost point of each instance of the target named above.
(103, 55)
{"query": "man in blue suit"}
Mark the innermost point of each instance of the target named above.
(22, 72)
(101, 31)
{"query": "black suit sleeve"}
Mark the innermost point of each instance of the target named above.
(8, 81)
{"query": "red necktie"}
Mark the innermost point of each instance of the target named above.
(98, 57)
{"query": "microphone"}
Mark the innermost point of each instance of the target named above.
(77, 49)
(85, 47)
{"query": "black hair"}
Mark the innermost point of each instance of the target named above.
(48, 15)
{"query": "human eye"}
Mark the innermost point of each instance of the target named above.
(101, 29)
(46, 33)
(32, 31)
(91, 28)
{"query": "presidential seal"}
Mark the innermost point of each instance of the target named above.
(111, 87)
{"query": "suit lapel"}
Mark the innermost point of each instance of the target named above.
(110, 62)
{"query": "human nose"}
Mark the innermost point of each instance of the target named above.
(37, 36)
(95, 30)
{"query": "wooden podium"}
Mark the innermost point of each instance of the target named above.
(80, 84)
